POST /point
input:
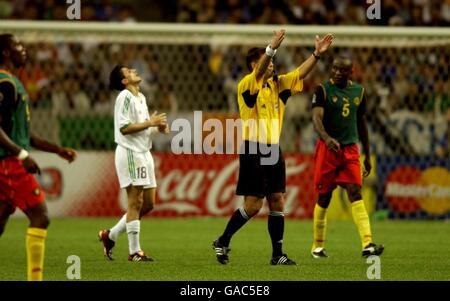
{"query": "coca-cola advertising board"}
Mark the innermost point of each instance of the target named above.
(188, 185)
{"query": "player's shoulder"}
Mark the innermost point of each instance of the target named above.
(325, 84)
(5, 76)
(356, 85)
(124, 94)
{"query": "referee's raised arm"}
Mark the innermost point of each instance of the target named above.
(321, 46)
(278, 37)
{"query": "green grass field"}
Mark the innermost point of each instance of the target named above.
(415, 250)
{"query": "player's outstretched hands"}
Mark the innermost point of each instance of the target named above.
(323, 44)
(158, 119)
(68, 154)
(332, 144)
(367, 166)
(31, 166)
(278, 37)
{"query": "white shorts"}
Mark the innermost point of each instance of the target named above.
(137, 169)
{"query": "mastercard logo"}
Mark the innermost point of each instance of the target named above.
(409, 189)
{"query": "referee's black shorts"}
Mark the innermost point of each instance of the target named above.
(260, 180)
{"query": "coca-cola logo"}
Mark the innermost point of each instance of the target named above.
(205, 185)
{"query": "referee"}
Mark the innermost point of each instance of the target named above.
(262, 98)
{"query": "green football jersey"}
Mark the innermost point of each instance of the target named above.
(15, 114)
(340, 110)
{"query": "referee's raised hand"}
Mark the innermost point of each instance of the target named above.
(278, 37)
(322, 45)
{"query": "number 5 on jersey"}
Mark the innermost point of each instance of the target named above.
(346, 107)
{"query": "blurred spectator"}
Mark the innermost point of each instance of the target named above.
(6, 10)
(33, 78)
(166, 99)
(186, 11)
(126, 14)
(443, 149)
(88, 13)
(106, 11)
(439, 102)
(446, 11)
(104, 102)
(208, 12)
(69, 98)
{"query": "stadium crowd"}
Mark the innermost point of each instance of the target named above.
(97, 10)
(320, 12)
(415, 79)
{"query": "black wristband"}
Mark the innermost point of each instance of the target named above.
(317, 57)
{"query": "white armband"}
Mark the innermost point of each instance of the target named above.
(270, 52)
(23, 154)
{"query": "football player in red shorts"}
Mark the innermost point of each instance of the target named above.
(18, 187)
(339, 119)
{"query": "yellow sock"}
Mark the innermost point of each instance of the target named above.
(320, 226)
(361, 220)
(35, 244)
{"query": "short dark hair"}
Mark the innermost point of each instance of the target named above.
(5, 44)
(116, 77)
(253, 55)
(344, 56)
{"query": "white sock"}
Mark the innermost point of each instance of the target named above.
(118, 228)
(133, 229)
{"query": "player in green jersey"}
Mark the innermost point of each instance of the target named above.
(18, 187)
(339, 108)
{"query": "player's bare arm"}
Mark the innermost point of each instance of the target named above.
(7, 92)
(66, 153)
(321, 46)
(320, 129)
(363, 134)
(278, 37)
(155, 120)
(6, 142)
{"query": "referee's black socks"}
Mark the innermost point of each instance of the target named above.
(237, 220)
(276, 230)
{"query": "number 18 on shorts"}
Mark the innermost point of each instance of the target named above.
(135, 168)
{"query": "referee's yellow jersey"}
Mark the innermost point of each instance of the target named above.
(262, 107)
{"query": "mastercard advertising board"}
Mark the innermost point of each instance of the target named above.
(414, 187)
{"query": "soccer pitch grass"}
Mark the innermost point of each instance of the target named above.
(415, 250)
